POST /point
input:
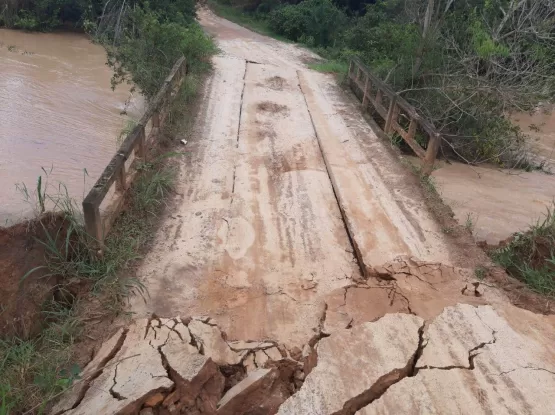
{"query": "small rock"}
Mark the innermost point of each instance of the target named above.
(154, 400)
(249, 363)
(260, 358)
(296, 353)
(273, 353)
(183, 142)
(146, 411)
(213, 344)
(260, 392)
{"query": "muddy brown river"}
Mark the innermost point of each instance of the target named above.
(57, 113)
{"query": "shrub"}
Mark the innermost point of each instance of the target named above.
(317, 22)
(151, 46)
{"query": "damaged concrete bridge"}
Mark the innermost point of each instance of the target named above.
(299, 271)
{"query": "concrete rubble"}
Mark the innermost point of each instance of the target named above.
(398, 364)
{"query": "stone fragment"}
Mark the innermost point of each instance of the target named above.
(296, 353)
(357, 365)
(260, 392)
(273, 353)
(146, 411)
(249, 363)
(213, 345)
(154, 400)
(260, 358)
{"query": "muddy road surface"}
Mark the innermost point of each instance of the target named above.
(299, 271)
(287, 196)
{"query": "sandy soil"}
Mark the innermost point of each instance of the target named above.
(287, 201)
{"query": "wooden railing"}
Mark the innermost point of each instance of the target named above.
(118, 175)
(375, 92)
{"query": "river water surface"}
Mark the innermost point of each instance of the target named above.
(57, 113)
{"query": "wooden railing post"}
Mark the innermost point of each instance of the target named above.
(351, 64)
(365, 97)
(379, 96)
(156, 119)
(431, 153)
(412, 129)
(392, 114)
(121, 178)
(93, 221)
(140, 150)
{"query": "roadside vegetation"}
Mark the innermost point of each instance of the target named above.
(465, 65)
(530, 256)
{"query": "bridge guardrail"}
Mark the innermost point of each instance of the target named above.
(121, 170)
(373, 91)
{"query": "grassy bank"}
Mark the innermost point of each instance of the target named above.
(90, 286)
(530, 256)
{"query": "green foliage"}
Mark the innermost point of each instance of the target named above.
(530, 256)
(35, 371)
(484, 46)
(314, 22)
(45, 15)
(150, 47)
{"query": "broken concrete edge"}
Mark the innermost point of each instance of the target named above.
(157, 334)
(293, 369)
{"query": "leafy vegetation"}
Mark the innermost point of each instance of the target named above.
(530, 256)
(465, 65)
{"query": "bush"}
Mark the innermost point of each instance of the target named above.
(315, 22)
(151, 46)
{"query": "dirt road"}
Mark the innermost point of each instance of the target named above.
(287, 196)
(320, 282)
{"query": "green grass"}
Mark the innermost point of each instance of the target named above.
(331, 66)
(530, 256)
(34, 371)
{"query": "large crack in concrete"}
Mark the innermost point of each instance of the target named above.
(344, 218)
(384, 382)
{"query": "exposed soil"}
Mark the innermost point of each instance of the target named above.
(20, 252)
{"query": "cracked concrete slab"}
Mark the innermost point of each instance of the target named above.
(210, 341)
(134, 373)
(473, 361)
(355, 365)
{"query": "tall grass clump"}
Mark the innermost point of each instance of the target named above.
(530, 256)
